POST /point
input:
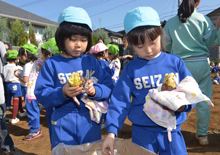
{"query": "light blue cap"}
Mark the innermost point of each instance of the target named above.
(75, 15)
(141, 16)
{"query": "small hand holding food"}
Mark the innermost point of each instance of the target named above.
(108, 143)
(16, 73)
(74, 87)
(90, 90)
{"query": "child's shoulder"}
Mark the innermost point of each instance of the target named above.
(171, 56)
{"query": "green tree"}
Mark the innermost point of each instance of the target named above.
(17, 34)
(104, 35)
(3, 28)
(94, 39)
(49, 32)
(32, 36)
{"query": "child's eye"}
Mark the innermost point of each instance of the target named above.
(139, 46)
(84, 40)
(153, 43)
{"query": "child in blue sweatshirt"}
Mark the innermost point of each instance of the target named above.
(70, 121)
(147, 71)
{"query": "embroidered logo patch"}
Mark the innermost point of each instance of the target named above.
(53, 122)
(51, 50)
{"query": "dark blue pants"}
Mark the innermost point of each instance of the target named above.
(49, 112)
(6, 142)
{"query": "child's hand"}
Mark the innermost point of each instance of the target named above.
(90, 90)
(113, 65)
(108, 143)
(69, 91)
(16, 73)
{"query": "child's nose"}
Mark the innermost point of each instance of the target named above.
(78, 43)
(148, 50)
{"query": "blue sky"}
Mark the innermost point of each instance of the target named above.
(107, 13)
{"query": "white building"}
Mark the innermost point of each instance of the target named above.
(39, 23)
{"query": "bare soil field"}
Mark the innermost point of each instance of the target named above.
(41, 145)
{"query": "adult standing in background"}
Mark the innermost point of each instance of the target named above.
(100, 40)
(6, 142)
(190, 35)
(8, 46)
(126, 53)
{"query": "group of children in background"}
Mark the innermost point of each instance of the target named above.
(20, 82)
(215, 69)
(69, 120)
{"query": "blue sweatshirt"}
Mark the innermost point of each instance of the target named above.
(138, 77)
(104, 64)
(54, 75)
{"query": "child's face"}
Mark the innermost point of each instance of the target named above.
(44, 57)
(124, 40)
(110, 56)
(106, 53)
(24, 57)
(149, 50)
(76, 45)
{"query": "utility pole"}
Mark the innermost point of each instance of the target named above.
(100, 22)
(179, 2)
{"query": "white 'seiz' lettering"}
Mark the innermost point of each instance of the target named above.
(147, 81)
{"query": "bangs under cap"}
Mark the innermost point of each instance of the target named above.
(98, 48)
(141, 16)
(75, 15)
(30, 48)
(51, 46)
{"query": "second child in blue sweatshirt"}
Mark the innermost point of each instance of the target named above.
(145, 72)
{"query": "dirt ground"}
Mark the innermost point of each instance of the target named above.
(41, 145)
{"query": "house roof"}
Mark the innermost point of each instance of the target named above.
(13, 12)
(112, 33)
(216, 10)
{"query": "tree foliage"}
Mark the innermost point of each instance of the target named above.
(49, 32)
(104, 35)
(3, 28)
(94, 39)
(17, 34)
(32, 36)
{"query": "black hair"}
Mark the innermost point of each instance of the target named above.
(140, 32)
(125, 36)
(163, 23)
(115, 56)
(186, 9)
(30, 56)
(101, 39)
(11, 60)
(45, 52)
(100, 54)
(67, 29)
(9, 45)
